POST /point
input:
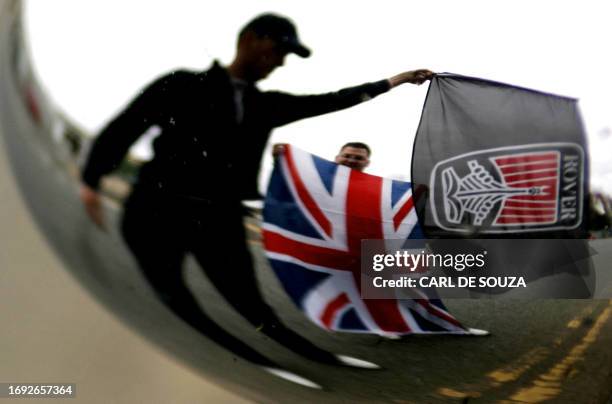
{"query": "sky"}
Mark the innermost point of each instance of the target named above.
(93, 56)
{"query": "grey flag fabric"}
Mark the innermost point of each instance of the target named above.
(494, 160)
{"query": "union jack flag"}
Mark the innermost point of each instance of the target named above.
(315, 216)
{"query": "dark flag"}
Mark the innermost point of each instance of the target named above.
(495, 161)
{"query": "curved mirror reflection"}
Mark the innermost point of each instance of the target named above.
(268, 298)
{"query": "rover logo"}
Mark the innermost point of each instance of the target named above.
(510, 189)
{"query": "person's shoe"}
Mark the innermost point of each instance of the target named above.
(477, 332)
(356, 363)
(292, 377)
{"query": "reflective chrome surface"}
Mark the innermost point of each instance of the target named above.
(557, 349)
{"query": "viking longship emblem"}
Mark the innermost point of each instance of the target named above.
(477, 193)
(509, 189)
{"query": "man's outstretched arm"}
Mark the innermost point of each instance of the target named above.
(287, 108)
(417, 77)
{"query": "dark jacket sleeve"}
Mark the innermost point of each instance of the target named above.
(113, 143)
(287, 108)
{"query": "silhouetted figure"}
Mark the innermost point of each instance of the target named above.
(187, 199)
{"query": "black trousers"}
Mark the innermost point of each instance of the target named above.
(161, 230)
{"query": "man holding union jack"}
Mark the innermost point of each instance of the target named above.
(355, 155)
(316, 216)
(214, 127)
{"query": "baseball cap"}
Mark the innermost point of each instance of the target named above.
(280, 29)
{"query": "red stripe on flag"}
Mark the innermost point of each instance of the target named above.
(502, 161)
(544, 182)
(363, 209)
(325, 257)
(530, 204)
(386, 315)
(330, 312)
(402, 213)
(304, 195)
(528, 212)
(550, 197)
(363, 221)
(530, 176)
(529, 167)
(525, 220)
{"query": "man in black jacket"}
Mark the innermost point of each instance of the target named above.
(214, 127)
